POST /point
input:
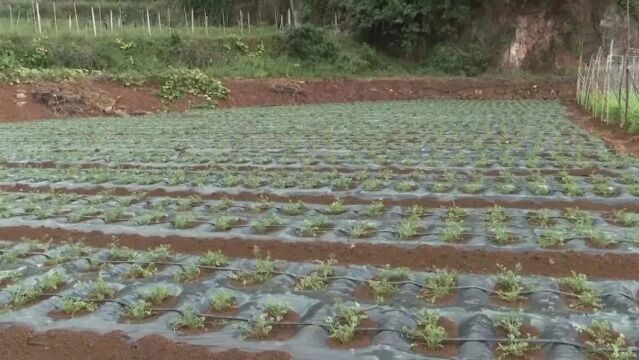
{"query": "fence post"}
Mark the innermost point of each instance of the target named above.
(100, 18)
(159, 21)
(11, 15)
(77, 23)
(242, 22)
(248, 19)
(192, 22)
(148, 21)
(223, 22)
(38, 18)
(111, 20)
(95, 31)
(55, 19)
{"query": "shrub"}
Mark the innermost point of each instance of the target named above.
(469, 61)
(311, 44)
(192, 81)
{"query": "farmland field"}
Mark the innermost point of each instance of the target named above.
(433, 229)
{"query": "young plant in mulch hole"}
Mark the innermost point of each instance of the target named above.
(318, 279)
(112, 215)
(261, 205)
(83, 214)
(409, 227)
(581, 218)
(373, 184)
(183, 220)
(623, 218)
(455, 214)
(406, 186)
(226, 222)
(314, 226)
(267, 224)
(542, 218)
(188, 320)
(213, 258)
(140, 271)
(602, 187)
(599, 238)
(343, 326)
(383, 284)
(11, 276)
(600, 335)
(507, 183)
(266, 327)
(538, 185)
(552, 238)
(453, 231)
(341, 183)
(586, 296)
(294, 208)
(440, 286)
(513, 328)
(509, 286)
(427, 337)
(570, 186)
(150, 217)
(336, 208)
(121, 253)
(188, 273)
(100, 290)
(263, 271)
(375, 209)
(187, 203)
(73, 307)
(361, 229)
(475, 185)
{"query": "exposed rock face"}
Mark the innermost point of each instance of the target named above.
(534, 33)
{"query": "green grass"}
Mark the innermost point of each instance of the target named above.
(615, 110)
(131, 54)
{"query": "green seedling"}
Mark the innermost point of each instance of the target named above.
(121, 253)
(267, 223)
(336, 207)
(497, 215)
(263, 271)
(375, 209)
(51, 281)
(452, 232)
(624, 218)
(214, 258)
(139, 271)
(189, 319)
(73, 306)
(100, 290)
(139, 310)
(183, 221)
(342, 327)
(149, 217)
(542, 218)
(552, 238)
(156, 295)
(188, 273)
(273, 313)
(441, 283)
(223, 301)
(603, 336)
(318, 279)
(587, 297)
(373, 184)
(427, 331)
(294, 208)
(409, 227)
(225, 222)
(361, 230)
(510, 285)
(314, 226)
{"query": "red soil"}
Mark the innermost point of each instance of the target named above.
(21, 343)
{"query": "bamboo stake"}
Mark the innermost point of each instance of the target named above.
(77, 23)
(223, 22)
(168, 15)
(159, 21)
(276, 19)
(192, 22)
(18, 19)
(55, 19)
(282, 22)
(100, 17)
(120, 17)
(111, 20)
(242, 22)
(35, 22)
(70, 23)
(11, 15)
(95, 31)
(38, 18)
(292, 11)
(186, 19)
(249, 22)
(288, 18)
(148, 21)
(206, 22)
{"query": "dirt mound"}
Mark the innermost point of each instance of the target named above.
(69, 99)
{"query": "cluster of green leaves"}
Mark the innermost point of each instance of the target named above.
(587, 297)
(385, 282)
(342, 327)
(516, 346)
(318, 279)
(427, 330)
(181, 82)
(602, 336)
(439, 284)
(510, 284)
(263, 270)
(272, 314)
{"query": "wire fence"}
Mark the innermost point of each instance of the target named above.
(608, 87)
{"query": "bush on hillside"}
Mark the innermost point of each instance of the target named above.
(310, 43)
